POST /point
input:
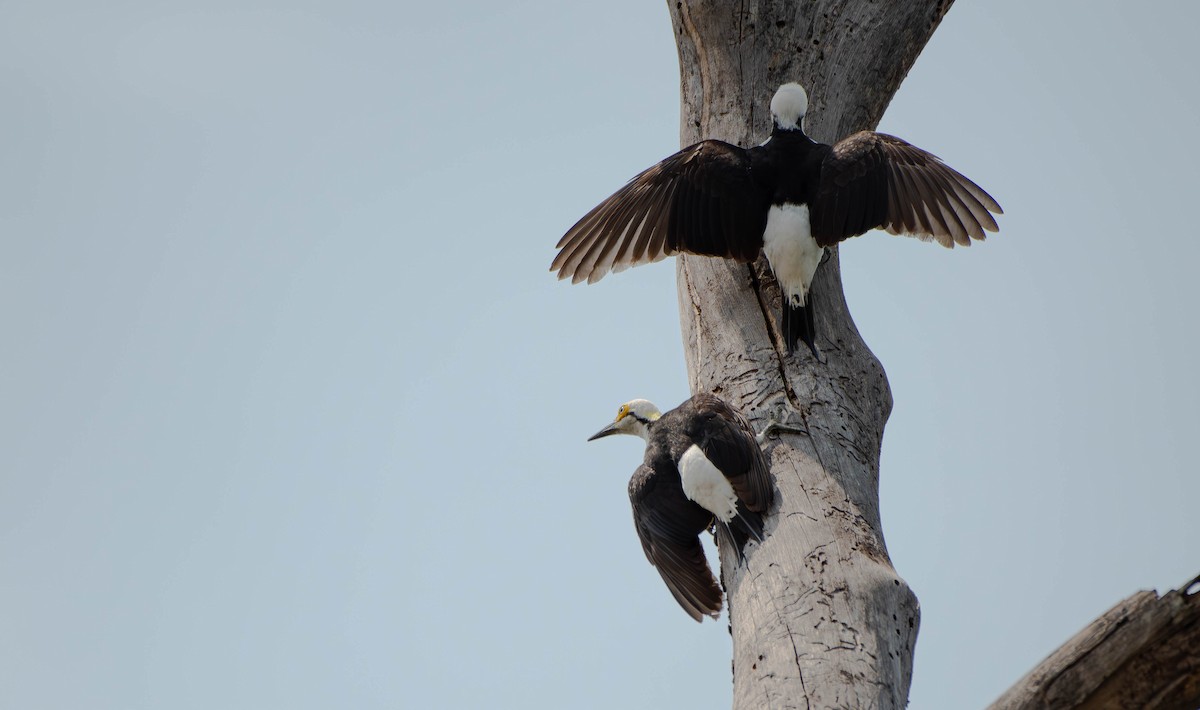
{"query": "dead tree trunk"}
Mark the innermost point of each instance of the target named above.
(819, 616)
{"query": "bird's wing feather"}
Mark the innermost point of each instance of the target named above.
(674, 551)
(727, 440)
(872, 180)
(702, 200)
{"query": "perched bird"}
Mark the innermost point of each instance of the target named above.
(788, 198)
(702, 464)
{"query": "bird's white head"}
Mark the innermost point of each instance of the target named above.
(633, 417)
(788, 107)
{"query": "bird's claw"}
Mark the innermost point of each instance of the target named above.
(774, 426)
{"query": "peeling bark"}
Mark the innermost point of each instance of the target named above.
(818, 615)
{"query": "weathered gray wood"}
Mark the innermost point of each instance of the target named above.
(1143, 653)
(819, 617)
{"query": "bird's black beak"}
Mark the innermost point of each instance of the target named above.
(606, 431)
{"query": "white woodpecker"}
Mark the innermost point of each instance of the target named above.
(788, 199)
(703, 467)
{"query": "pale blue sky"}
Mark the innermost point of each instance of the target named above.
(293, 415)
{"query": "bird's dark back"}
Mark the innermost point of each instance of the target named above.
(792, 163)
(659, 473)
(674, 432)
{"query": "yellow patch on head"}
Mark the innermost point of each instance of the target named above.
(622, 412)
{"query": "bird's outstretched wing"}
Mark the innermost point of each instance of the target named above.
(701, 200)
(673, 550)
(872, 180)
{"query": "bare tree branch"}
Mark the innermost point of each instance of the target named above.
(1142, 653)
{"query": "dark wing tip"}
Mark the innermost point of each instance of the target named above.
(692, 201)
(931, 200)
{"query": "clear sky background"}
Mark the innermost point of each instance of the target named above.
(292, 414)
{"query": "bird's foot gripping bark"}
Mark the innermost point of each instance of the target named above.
(775, 426)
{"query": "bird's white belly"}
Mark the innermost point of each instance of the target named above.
(704, 483)
(791, 250)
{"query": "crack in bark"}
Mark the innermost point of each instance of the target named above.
(799, 673)
(1099, 640)
(701, 61)
(775, 336)
(779, 615)
(695, 301)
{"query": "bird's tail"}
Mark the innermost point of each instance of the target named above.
(798, 326)
(745, 526)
